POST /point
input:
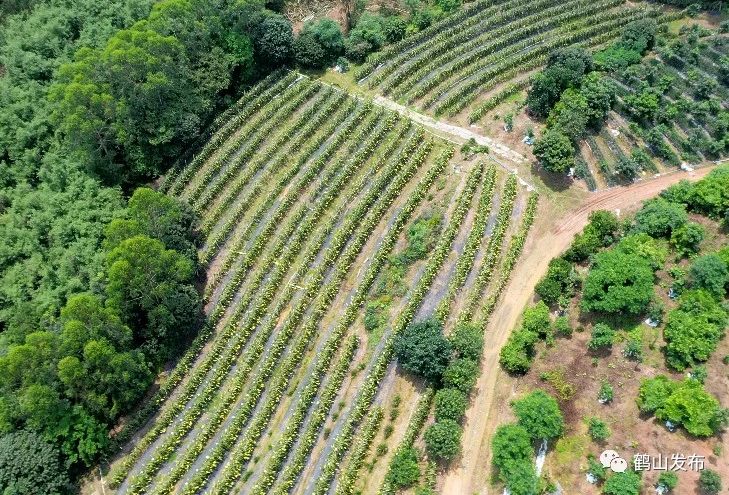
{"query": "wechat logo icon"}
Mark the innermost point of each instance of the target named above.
(611, 459)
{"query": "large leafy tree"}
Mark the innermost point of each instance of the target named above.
(618, 283)
(423, 350)
(570, 114)
(150, 288)
(443, 440)
(659, 217)
(710, 272)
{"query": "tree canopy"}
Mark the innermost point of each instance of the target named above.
(538, 413)
(617, 283)
(422, 349)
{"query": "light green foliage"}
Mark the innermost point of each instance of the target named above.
(686, 239)
(461, 374)
(683, 403)
(443, 440)
(668, 480)
(513, 456)
(554, 151)
(606, 393)
(618, 283)
(599, 232)
(627, 483)
(602, 337)
(515, 356)
(539, 414)
(693, 330)
(598, 429)
(652, 250)
(404, 470)
(450, 403)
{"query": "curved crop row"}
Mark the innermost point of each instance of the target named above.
(411, 162)
(465, 261)
(219, 141)
(169, 448)
(254, 133)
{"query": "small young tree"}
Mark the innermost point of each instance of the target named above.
(668, 481)
(467, 341)
(554, 151)
(710, 272)
(626, 483)
(709, 482)
(443, 440)
(404, 471)
(461, 374)
(602, 337)
(450, 403)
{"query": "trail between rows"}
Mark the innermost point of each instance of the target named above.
(551, 236)
(459, 134)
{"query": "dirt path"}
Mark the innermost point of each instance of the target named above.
(460, 134)
(550, 237)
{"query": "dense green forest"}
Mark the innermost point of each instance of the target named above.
(97, 291)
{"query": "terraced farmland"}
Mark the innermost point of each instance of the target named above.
(487, 51)
(306, 197)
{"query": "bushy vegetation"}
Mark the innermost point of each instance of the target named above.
(423, 350)
(684, 404)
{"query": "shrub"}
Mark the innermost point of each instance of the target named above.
(605, 394)
(668, 481)
(554, 151)
(539, 414)
(598, 429)
(450, 404)
(686, 239)
(602, 337)
(404, 471)
(461, 374)
(29, 464)
(710, 272)
(559, 281)
(627, 483)
(443, 440)
(562, 327)
(659, 217)
(709, 482)
(618, 283)
(467, 341)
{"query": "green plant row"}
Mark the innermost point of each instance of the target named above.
(215, 174)
(379, 260)
(345, 485)
(417, 421)
(222, 127)
(240, 173)
(503, 219)
(169, 447)
(314, 139)
(493, 101)
(219, 142)
(521, 19)
(294, 136)
(281, 373)
(465, 261)
(370, 386)
(290, 434)
(354, 132)
(412, 160)
(214, 355)
(604, 23)
(461, 19)
(454, 39)
(498, 43)
(512, 256)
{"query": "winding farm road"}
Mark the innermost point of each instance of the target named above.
(550, 237)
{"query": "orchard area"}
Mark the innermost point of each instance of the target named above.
(627, 335)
